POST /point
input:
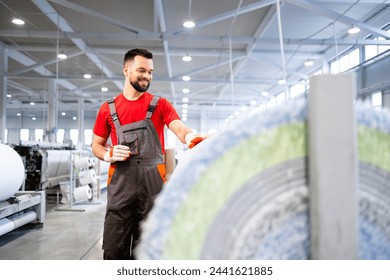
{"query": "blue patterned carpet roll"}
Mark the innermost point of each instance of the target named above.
(243, 193)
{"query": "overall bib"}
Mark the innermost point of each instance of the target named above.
(133, 186)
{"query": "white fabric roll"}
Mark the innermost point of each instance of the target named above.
(87, 177)
(24, 219)
(57, 163)
(6, 226)
(82, 193)
(83, 162)
(11, 172)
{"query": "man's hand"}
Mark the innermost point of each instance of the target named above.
(117, 153)
(193, 139)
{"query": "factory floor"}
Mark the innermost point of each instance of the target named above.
(69, 233)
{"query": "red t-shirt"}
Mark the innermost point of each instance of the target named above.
(130, 111)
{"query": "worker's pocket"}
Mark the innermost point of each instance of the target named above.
(131, 141)
(113, 236)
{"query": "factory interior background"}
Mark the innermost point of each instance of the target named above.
(273, 84)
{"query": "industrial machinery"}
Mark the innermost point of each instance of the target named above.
(47, 164)
(17, 207)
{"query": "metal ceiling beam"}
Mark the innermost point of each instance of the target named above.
(63, 25)
(27, 90)
(85, 11)
(290, 71)
(223, 16)
(48, 62)
(160, 12)
(264, 24)
(189, 38)
(318, 9)
(206, 68)
(155, 79)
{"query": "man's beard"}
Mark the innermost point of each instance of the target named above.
(138, 87)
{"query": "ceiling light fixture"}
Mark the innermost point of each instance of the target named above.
(185, 90)
(309, 63)
(189, 23)
(104, 89)
(354, 30)
(32, 103)
(186, 78)
(18, 21)
(264, 93)
(185, 99)
(87, 76)
(187, 58)
(281, 82)
(62, 56)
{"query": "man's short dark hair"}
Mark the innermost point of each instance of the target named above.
(134, 52)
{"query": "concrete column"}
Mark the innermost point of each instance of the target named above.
(80, 120)
(14, 136)
(386, 100)
(333, 167)
(66, 133)
(31, 134)
(3, 95)
(52, 114)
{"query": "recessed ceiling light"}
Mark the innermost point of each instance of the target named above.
(184, 111)
(32, 103)
(87, 76)
(354, 30)
(281, 82)
(9, 95)
(185, 90)
(33, 118)
(63, 114)
(189, 24)
(253, 102)
(74, 118)
(18, 21)
(187, 58)
(104, 89)
(185, 99)
(184, 106)
(186, 78)
(264, 93)
(18, 114)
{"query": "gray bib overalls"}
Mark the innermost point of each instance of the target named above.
(133, 186)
